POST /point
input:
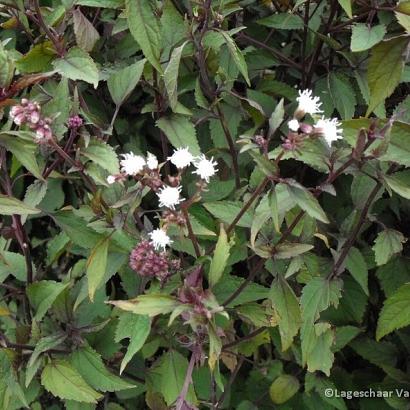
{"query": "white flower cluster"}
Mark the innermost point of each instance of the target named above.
(168, 196)
(309, 104)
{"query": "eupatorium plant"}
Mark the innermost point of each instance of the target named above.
(204, 204)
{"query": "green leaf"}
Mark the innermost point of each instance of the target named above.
(227, 210)
(171, 75)
(63, 381)
(14, 264)
(290, 250)
(276, 118)
(399, 182)
(379, 353)
(78, 65)
(317, 338)
(385, 69)
(115, 4)
(13, 206)
(357, 266)
(85, 34)
(91, 367)
(103, 155)
(24, 151)
(122, 82)
(237, 55)
(180, 132)
(282, 21)
(45, 344)
(152, 304)
(136, 328)
(395, 313)
(42, 295)
(145, 29)
(168, 376)
(230, 283)
(59, 108)
(38, 59)
(347, 7)
(365, 37)
(287, 308)
(220, 258)
(343, 95)
(76, 229)
(387, 243)
(306, 201)
(344, 335)
(97, 265)
(283, 388)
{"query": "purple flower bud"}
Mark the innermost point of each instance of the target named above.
(75, 121)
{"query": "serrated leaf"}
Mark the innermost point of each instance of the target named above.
(63, 381)
(78, 65)
(96, 266)
(91, 367)
(399, 182)
(103, 155)
(122, 82)
(227, 210)
(395, 313)
(385, 69)
(287, 308)
(290, 250)
(365, 37)
(356, 264)
(220, 258)
(145, 29)
(38, 59)
(282, 21)
(171, 75)
(42, 295)
(388, 243)
(237, 55)
(168, 376)
(13, 206)
(276, 118)
(85, 34)
(137, 329)
(306, 201)
(317, 338)
(152, 304)
(45, 344)
(180, 131)
(24, 151)
(343, 95)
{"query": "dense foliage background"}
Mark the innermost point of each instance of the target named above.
(288, 273)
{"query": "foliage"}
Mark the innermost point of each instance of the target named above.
(205, 204)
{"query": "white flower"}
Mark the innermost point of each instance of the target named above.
(205, 168)
(307, 103)
(329, 129)
(293, 125)
(152, 161)
(110, 179)
(169, 196)
(132, 164)
(181, 158)
(159, 239)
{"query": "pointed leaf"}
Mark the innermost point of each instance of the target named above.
(220, 258)
(395, 313)
(63, 381)
(144, 27)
